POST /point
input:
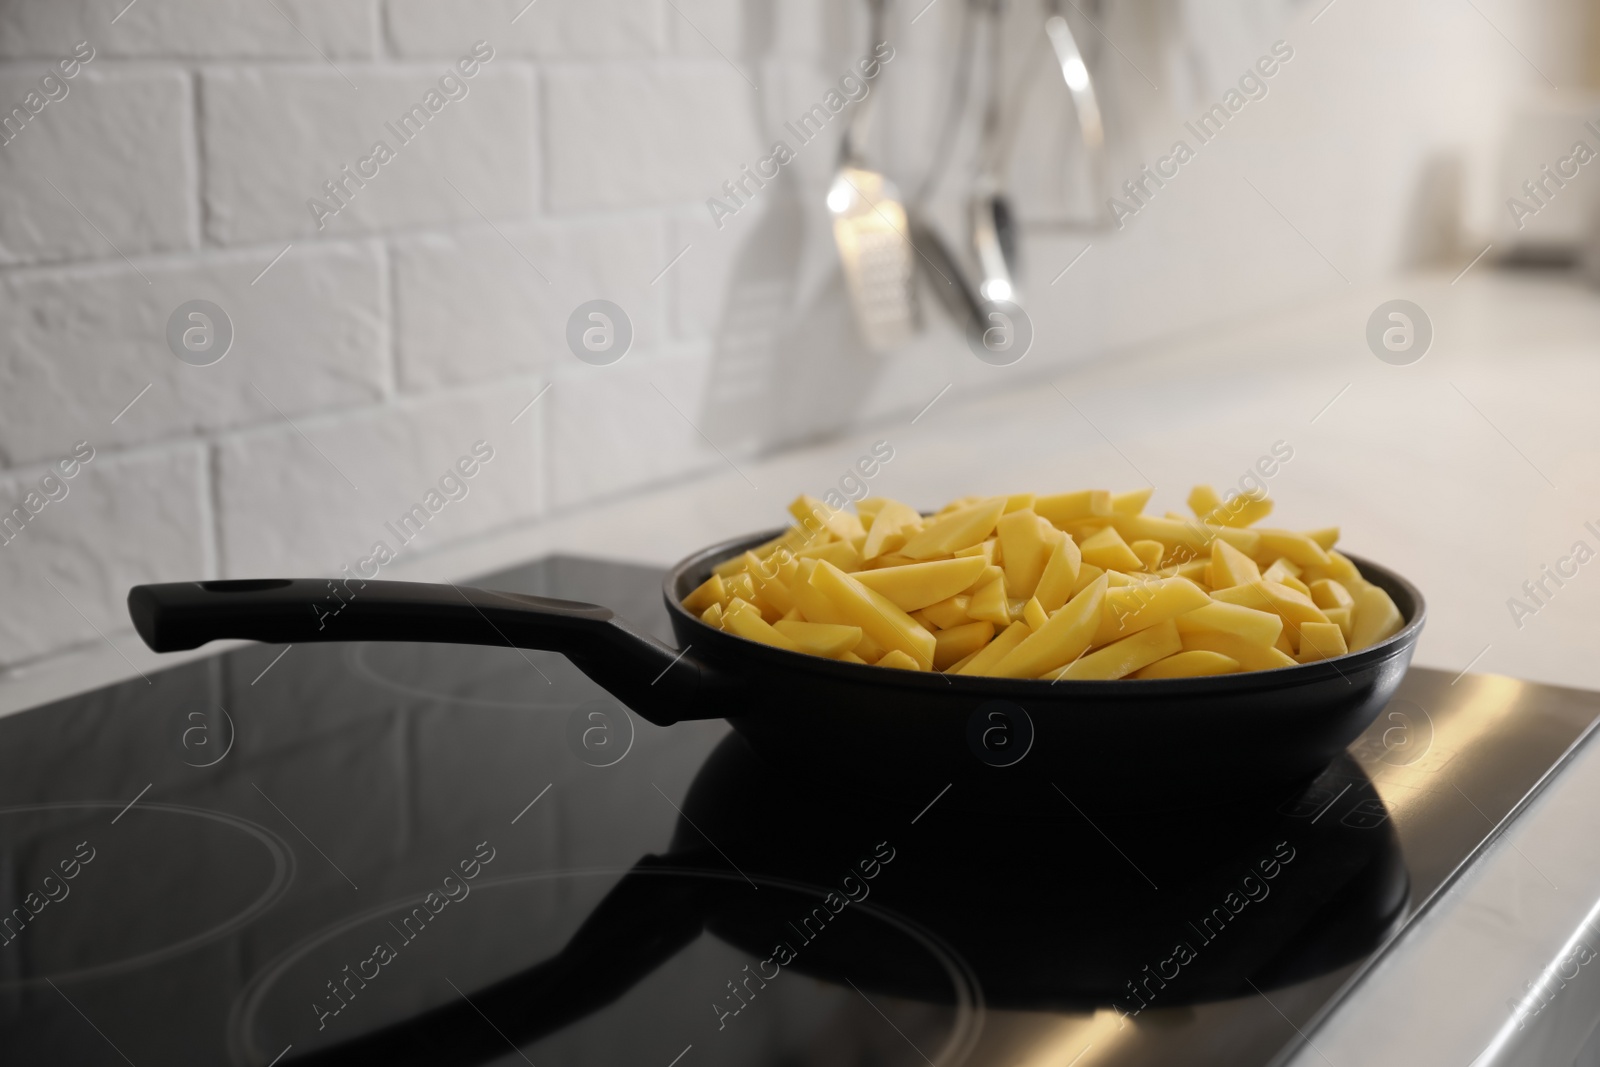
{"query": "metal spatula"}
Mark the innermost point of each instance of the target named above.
(871, 231)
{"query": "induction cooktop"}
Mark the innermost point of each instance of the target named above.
(430, 854)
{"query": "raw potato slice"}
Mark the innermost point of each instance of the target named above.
(820, 638)
(948, 614)
(1034, 614)
(1131, 503)
(812, 602)
(1195, 664)
(744, 619)
(983, 548)
(1295, 607)
(876, 614)
(990, 603)
(1239, 510)
(841, 554)
(1024, 550)
(1327, 537)
(1250, 657)
(958, 642)
(893, 521)
(1062, 508)
(1376, 618)
(1126, 656)
(984, 659)
(712, 616)
(739, 585)
(1328, 593)
(1062, 639)
(991, 573)
(1281, 569)
(917, 585)
(1019, 502)
(813, 516)
(1347, 573)
(1320, 640)
(1139, 607)
(1246, 541)
(1296, 546)
(898, 660)
(1087, 573)
(1344, 618)
(1170, 532)
(959, 529)
(1107, 549)
(1060, 574)
(705, 594)
(1149, 553)
(1257, 627)
(770, 589)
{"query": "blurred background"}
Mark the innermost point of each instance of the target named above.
(367, 319)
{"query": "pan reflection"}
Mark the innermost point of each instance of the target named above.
(1112, 922)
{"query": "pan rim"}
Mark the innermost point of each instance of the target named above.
(1397, 644)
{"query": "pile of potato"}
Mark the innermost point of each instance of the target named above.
(1079, 585)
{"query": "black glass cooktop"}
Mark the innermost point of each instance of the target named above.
(409, 854)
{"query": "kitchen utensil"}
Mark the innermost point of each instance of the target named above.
(1109, 745)
(1085, 102)
(994, 239)
(870, 228)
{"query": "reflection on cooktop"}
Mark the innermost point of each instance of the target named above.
(409, 854)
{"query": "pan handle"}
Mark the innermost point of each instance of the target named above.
(650, 678)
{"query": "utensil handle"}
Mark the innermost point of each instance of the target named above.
(650, 678)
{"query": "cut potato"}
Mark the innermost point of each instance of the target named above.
(1122, 658)
(958, 642)
(948, 614)
(1260, 628)
(990, 603)
(1250, 657)
(898, 660)
(1130, 503)
(1060, 575)
(1328, 593)
(892, 525)
(744, 619)
(983, 661)
(1320, 640)
(1138, 607)
(1106, 548)
(1081, 585)
(1297, 547)
(878, 616)
(1193, 664)
(1376, 618)
(1062, 639)
(959, 529)
(917, 585)
(1063, 508)
(1024, 551)
(1150, 553)
(820, 638)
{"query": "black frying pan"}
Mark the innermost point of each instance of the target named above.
(906, 734)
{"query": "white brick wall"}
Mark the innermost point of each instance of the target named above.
(378, 346)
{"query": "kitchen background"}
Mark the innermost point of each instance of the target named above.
(373, 347)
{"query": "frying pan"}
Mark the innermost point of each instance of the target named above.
(996, 742)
